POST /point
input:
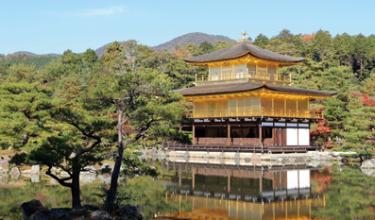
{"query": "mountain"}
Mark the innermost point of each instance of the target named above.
(195, 38)
(27, 58)
(100, 51)
(19, 55)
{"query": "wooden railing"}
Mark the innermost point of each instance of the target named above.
(259, 76)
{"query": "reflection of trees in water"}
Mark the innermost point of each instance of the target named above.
(141, 191)
(350, 195)
(15, 194)
(146, 193)
(321, 180)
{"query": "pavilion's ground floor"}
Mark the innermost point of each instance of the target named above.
(255, 134)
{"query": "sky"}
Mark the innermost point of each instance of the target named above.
(53, 26)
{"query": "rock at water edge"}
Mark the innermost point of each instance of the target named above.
(368, 164)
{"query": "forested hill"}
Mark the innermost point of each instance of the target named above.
(27, 58)
(195, 38)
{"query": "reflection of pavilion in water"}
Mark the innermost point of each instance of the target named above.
(242, 192)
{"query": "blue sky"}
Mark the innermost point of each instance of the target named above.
(52, 26)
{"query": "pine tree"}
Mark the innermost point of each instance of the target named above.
(359, 127)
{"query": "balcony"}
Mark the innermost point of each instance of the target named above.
(254, 73)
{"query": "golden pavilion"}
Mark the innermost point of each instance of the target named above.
(246, 103)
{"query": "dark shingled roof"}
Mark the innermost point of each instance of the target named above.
(247, 86)
(242, 49)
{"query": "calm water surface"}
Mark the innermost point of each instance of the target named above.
(203, 191)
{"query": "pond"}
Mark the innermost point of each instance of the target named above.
(209, 191)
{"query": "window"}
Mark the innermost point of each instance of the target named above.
(210, 132)
(267, 132)
(199, 109)
(216, 132)
(252, 69)
(303, 106)
(219, 109)
(240, 71)
(211, 108)
(227, 72)
(267, 105)
(200, 132)
(254, 104)
(244, 106)
(272, 72)
(232, 107)
(245, 132)
(262, 71)
(291, 107)
(279, 106)
(253, 132)
(214, 73)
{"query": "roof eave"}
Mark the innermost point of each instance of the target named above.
(314, 93)
(206, 62)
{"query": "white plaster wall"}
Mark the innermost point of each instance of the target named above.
(304, 136)
(291, 136)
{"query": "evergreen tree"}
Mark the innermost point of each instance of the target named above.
(261, 41)
(358, 132)
(369, 85)
(146, 111)
(23, 113)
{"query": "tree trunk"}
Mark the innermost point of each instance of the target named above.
(112, 192)
(75, 188)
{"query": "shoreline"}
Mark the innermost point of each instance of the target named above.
(310, 158)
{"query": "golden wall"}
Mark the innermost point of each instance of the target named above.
(253, 106)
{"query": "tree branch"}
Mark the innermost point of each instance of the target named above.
(61, 181)
(88, 149)
(64, 169)
(143, 130)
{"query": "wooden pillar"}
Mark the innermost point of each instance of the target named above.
(229, 138)
(260, 135)
(193, 136)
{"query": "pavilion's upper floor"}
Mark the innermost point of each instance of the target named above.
(244, 61)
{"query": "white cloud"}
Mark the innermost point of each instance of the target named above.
(96, 12)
